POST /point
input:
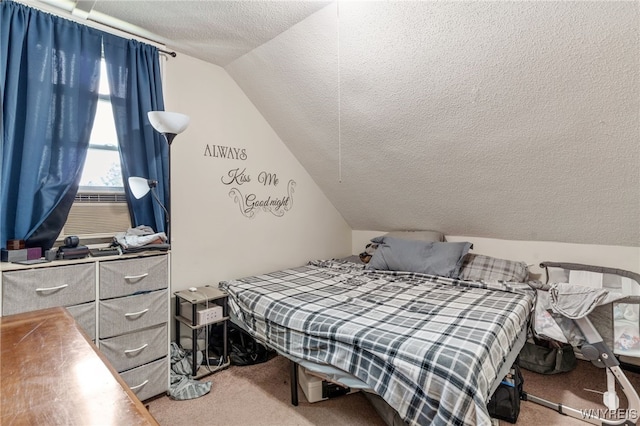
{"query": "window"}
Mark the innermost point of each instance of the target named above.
(100, 207)
(102, 171)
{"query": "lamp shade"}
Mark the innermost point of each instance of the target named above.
(168, 122)
(139, 187)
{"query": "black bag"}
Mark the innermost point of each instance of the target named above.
(242, 348)
(505, 401)
(547, 357)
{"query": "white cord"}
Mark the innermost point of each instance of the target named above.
(206, 337)
(194, 345)
(339, 99)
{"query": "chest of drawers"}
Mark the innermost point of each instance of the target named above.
(120, 302)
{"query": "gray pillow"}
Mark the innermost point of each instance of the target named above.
(433, 258)
(477, 267)
(370, 248)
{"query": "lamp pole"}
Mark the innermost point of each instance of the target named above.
(169, 137)
(169, 124)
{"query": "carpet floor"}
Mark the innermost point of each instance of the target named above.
(258, 395)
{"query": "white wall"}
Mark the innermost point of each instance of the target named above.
(211, 239)
(534, 252)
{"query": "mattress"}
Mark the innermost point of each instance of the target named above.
(431, 347)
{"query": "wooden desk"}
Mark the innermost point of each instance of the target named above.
(52, 374)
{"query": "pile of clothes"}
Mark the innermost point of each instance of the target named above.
(141, 238)
(182, 385)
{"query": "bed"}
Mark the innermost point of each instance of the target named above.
(433, 344)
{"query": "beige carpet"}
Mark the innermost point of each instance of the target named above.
(259, 395)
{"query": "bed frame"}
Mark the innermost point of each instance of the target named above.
(338, 376)
(387, 413)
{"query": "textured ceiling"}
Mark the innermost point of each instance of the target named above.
(214, 31)
(513, 120)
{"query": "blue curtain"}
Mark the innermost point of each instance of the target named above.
(135, 84)
(49, 75)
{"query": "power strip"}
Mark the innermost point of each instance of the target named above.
(204, 315)
(207, 316)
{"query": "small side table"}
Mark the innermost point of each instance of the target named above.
(203, 295)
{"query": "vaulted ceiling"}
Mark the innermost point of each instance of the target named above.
(513, 120)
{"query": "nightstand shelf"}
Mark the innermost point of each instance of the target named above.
(188, 323)
(202, 296)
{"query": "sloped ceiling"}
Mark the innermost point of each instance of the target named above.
(214, 31)
(513, 120)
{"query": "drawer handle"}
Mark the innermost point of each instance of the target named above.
(53, 288)
(135, 314)
(135, 277)
(139, 386)
(128, 351)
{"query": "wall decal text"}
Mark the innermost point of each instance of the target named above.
(228, 152)
(236, 176)
(262, 194)
(249, 202)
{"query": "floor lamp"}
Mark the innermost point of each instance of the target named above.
(169, 124)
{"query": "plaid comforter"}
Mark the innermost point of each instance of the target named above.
(431, 347)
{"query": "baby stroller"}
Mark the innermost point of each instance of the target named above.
(579, 304)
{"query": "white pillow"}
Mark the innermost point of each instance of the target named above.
(428, 236)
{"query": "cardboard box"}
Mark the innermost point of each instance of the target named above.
(316, 389)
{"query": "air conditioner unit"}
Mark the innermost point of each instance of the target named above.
(97, 218)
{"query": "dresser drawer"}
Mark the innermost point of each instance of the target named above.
(124, 277)
(148, 380)
(137, 348)
(33, 289)
(85, 315)
(130, 313)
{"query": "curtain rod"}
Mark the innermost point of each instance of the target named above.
(167, 52)
(98, 19)
(172, 54)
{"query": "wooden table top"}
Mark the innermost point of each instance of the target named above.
(52, 374)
